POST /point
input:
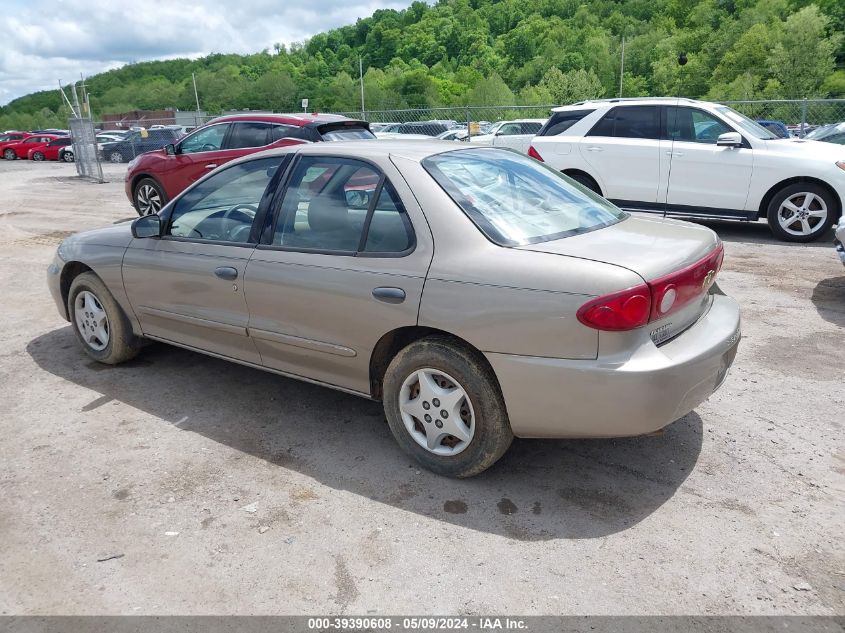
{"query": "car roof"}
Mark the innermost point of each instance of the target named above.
(629, 101)
(300, 119)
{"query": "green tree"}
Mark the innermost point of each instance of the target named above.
(491, 91)
(571, 86)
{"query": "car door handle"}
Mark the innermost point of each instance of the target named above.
(594, 148)
(389, 295)
(226, 272)
(211, 165)
(674, 153)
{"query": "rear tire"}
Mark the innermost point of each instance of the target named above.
(68, 157)
(149, 197)
(99, 322)
(472, 405)
(802, 212)
(37, 156)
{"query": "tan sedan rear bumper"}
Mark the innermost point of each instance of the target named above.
(557, 398)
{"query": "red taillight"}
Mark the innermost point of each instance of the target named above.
(637, 306)
(533, 153)
(672, 292)
(624, 310)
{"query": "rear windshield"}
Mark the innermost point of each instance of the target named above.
(346, 133)
(515, 200)
(559, 122)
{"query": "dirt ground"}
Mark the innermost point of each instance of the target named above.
(214, 488)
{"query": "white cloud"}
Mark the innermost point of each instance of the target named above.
(46, 40)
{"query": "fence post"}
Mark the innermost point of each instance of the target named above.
(468, 122)
(803, 116)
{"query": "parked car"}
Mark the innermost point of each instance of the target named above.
(11, 138)
(833, 133)
(65, 154)
(135, 143)
(384, 127)
(696, 159)
(156, 177)
(778, 128)
(22, 147)
(457, 134)
(109, 137)
(585, 332)
(49, 150)
(513, 134)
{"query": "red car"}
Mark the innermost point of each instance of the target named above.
(155, 177)
(20, 149)
(10, 138)
(49, 150)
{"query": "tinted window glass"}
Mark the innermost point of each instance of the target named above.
(509, 129)
(628, 122)
(562, 121)
(390, 229)
(326, 203)
(347, 134)
(208, 139)
(278, 132)
(693, 126)
(516, 200)
(249, 134)
(223, 207)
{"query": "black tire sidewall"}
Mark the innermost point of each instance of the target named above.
(492, 429)
(122, 344)
(35, 156)
(586, 181)
(791, 190)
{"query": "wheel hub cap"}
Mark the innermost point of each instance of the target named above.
(802, 213)
(91, 320)
(437, 412)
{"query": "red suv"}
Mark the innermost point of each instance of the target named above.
(155, 177)
(20, 149)
(10, 138)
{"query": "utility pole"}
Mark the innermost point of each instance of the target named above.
(196, 96)
(622, 67)
(69, 104)
(361, 77)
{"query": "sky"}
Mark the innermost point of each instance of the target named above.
(46, 41)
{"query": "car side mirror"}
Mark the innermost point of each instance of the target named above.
(146, 226)
(170, 149)
(729, 139)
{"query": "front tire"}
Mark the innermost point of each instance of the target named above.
(9, 154)
(99, 322)
(802, 212)
(445, 409)
(149, 197)
(116, 157)
(68, 157)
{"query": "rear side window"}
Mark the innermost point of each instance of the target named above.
(562, 121)
(346, 134)
(278, 132)
(629, 122)
(529, 127)
(249, 134)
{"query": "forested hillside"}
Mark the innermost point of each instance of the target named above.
(488, 52)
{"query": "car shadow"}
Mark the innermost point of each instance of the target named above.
(759, 233)
(829, 298)
(541, 489)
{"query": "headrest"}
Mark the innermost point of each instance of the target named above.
(328, 213)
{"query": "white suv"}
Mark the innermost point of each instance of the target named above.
(696, 159)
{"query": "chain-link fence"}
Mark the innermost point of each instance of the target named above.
(85, 153)
(800, 115)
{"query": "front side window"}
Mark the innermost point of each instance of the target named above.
(745, 124)
(208, 139)
(341, 205)
(530, 127)
(223, 207)
(693, 126)
(509, 129)
(515, 200)
(629, 122)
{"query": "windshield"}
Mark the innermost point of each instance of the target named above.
(347, 134)
(745, 124)
(515, 200)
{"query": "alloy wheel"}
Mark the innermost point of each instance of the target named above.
(802, 213)
(116, 157)
(148, 199)
(67, 157)
(9, 154)
(437, 412)
(92, 322)
(37, 156)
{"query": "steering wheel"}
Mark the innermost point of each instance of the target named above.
(243, 214)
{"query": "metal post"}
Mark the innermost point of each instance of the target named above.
(469, 134)
(622, 67)
(361, 76)
(197, 97)
(803, 117)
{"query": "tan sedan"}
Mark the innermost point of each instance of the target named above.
(478, 293)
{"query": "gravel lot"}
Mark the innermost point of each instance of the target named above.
(220, 489)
